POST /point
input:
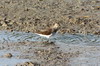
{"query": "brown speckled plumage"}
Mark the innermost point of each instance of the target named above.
(48, 31)
(45, 32)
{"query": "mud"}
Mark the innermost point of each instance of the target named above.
(38, 53)
(74, 16)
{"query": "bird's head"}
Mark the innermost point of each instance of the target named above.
(55, 26)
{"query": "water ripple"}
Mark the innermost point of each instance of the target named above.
(6, 36)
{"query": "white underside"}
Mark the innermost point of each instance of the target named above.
(47, 36)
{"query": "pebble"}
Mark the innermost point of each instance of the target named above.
(8, 55)
(28, 64)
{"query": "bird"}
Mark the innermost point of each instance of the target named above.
(47, 33)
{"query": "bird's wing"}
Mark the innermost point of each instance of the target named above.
(45, 32)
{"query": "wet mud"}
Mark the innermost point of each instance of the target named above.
(75, 16)
(38, 53)
(28, 16)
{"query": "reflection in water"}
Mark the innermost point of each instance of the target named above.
(65, 38)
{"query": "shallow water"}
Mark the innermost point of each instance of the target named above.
(11, 62)
(77, 39)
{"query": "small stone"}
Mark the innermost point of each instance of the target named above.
(28, 64)
(3, 23)
(8, 55)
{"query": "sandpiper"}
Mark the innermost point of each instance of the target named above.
(48, 32)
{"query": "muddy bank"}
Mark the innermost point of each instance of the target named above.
(29, 15)
(37, 53)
